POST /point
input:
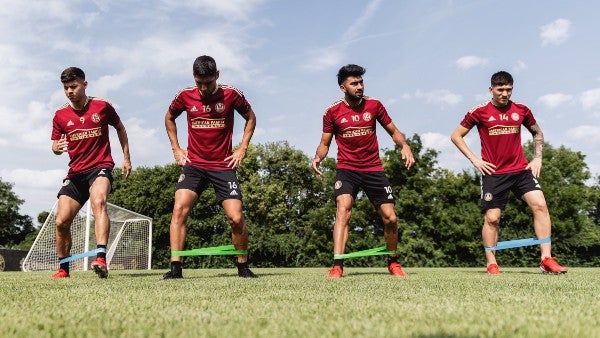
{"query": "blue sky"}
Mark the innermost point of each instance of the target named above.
(429, 62)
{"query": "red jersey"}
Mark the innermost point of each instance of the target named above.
(500, 133)
(355, 133)
(87, 133)
(210, 123)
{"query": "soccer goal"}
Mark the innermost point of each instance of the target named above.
(129, 244)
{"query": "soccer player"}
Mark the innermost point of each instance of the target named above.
(209, 158)
(504, 168)
(352, 121)
(80, 128)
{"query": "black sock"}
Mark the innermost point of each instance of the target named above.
(64, 266)
(338, 262)
(392, 259)
(176, 266)
(101, 254)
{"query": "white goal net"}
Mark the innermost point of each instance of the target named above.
(129, 244)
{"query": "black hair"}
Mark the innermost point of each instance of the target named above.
(349, 70)
(205, 65)
(501, 78)
(72, 74)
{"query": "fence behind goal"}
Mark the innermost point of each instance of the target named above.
(129, 244)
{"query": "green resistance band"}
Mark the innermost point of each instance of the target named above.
(382, 250)
(212, 251)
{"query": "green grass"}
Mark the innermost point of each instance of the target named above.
(367, 302)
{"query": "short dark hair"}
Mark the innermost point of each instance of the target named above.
(349, 70)
(72, 74)
(205, 65)
(501, 78)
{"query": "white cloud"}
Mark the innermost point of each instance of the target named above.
(231, 9)
(449, 156)
(146, 144)
(108, 83)
(590, 99)
(555, 33)
(28, 178)
(441, 97)
(326, 57)
(519, 66)
(587, 133)
(554, 100)
(470, 61)
(26, 129)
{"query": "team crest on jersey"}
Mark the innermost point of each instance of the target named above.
(515, 116)
(181, 178)
(367, 116)
(220, 107)
(82, 119)
(338, 184)
(96, 117)
(488, 196)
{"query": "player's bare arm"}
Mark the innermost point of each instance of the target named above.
(535, 165)
(180, 155)
(400, 140)
(60, 146)
(124, 140)
(322, 150)
(458, 138)
(236, 158)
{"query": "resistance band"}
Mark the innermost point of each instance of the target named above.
(212, 251)
(517, 243)
(382, 250)
(82, 255)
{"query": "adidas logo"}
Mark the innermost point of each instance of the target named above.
(343, 120)
(390, 197)
(491, 119)
(70, 123)
(233, 193)
(193, 109)
(102, 172)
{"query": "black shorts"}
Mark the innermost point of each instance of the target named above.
(495, 188)
(375, 184)
(225, 182)
(78, 186)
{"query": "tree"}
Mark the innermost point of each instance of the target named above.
(14, 227)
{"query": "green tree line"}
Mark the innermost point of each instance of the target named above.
(290, 212)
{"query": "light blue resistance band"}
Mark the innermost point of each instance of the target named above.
(82, 255)
(517, 243)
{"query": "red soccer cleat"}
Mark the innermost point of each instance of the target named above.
(336, 272)
(61, 273)
(99, 267)
(396, 270)
(493, 269)
(550, 265)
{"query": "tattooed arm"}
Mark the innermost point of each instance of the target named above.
(538, 144)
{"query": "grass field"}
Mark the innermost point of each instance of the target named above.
(367, 302)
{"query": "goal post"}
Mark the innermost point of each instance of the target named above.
(129, 245)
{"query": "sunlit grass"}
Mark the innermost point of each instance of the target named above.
(367, 302)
